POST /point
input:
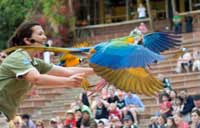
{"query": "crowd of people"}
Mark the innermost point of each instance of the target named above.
(111, 108)
(177, 110)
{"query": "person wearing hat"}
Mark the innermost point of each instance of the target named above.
(53, 123)
(128, 122)
(87, 121)
(70, 121)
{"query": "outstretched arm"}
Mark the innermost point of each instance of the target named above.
(36, 78)
(68, 71)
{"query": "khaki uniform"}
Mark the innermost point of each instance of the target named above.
(12, 85)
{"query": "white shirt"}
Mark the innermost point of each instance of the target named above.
(141, 12)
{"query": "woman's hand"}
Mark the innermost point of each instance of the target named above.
(76, 80)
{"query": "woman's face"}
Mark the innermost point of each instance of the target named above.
(195, 117)
(17, 124)
(172, 94)
(169, 122)
(38, 35)
(161, 121)
(178, 101)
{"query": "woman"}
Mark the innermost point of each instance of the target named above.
(195, 116)
(39, 124)
(20, 70)
(180, 123)
(171, 122)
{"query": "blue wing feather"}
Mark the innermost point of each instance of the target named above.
(121, 55)
(160, 41)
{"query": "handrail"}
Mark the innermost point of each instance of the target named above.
(113, 24)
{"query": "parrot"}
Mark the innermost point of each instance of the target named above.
(122, 61)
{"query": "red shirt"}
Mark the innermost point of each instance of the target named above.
(183, 125)
(165, 105)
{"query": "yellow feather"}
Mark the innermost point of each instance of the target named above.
(136, 80)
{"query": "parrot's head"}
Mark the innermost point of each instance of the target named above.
(130, 40)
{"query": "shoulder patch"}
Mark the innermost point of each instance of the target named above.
(26, 61)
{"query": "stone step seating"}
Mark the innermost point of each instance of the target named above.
(58, 105)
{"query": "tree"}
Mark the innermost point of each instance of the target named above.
(12, 14)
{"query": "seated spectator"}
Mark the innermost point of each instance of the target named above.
(171, 122)
(101, 112)
(173, 95)
(134, 104)
(114, 111)
(78, 117)
(70, 121)
(196, 99)
(39, 124)
(195, 116)
(128, 122)
(28, 122)
(53, 123)
(179, 121)
(101, 124)
(59, 122)
(188, 105)
(87, 121)
(84, 107)
(125, 112)
(114, 122)
(17, 122)
(178, 107)
(121, 102)
(153, 122)
(112, 98)
(184, 63)
(165, 106)
(162, 120)
(196, 60)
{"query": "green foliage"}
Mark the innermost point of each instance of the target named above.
(12, 14)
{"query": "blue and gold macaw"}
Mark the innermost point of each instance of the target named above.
(122, 61)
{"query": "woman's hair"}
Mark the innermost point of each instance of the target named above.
(23, 31)
(196, 111)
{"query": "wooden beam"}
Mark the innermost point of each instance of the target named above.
(191, 12)
(149, 14)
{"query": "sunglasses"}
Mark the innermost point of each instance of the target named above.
(16, 122)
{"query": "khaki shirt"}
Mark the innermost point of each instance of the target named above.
(12, 86)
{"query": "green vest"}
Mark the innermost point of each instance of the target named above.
(12, 86)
